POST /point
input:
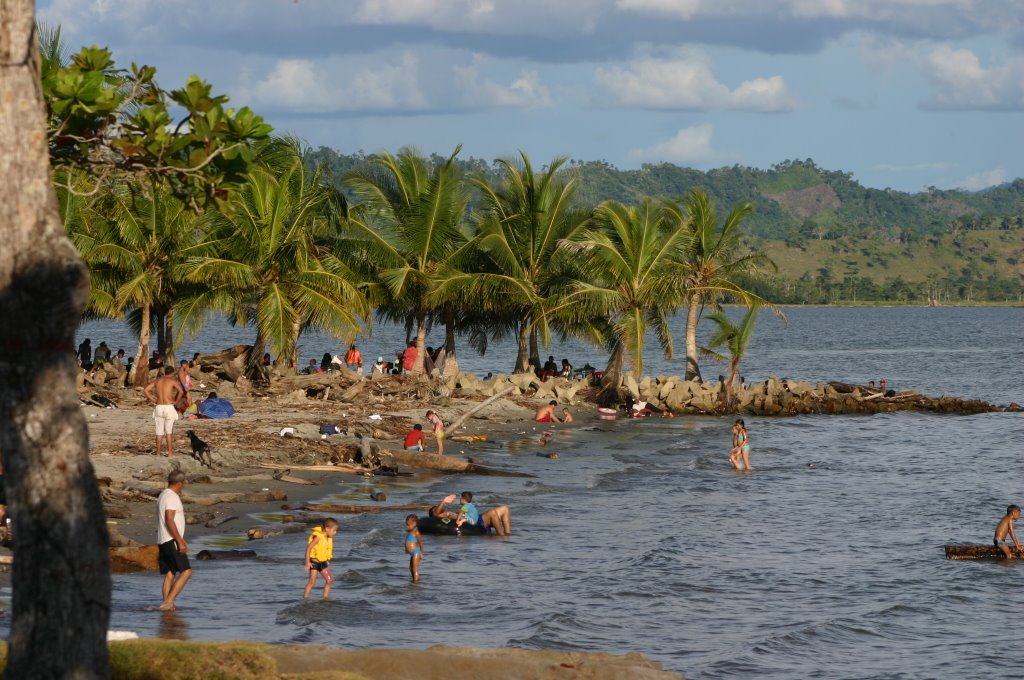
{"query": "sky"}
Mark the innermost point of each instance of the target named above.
(904, 94)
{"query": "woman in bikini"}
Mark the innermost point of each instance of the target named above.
(740, 446)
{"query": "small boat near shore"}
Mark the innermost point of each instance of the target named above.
(445, 526)
(977, 552)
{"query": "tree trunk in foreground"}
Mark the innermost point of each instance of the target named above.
(421, 345)
(61, 578)
(692, 316)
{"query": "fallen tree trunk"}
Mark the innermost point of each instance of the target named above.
(344, 467)
(241, 497)
(978, 552)
(357, 509)
(214, 523)
(225, 554)
(461, 419)
(256, 533)
(432, 461)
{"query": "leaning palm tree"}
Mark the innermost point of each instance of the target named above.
(520, 224)
(714, 265)
(408, 231)
(630, 256)
(273, 261)
(736, 338)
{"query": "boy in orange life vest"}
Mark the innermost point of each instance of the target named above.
(319, 552)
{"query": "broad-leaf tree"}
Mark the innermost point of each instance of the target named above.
(61, 580)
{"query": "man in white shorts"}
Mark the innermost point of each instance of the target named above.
(164, 392)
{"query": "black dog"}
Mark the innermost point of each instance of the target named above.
(199, 448)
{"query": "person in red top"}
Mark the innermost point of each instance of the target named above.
(409, 357)
(354, 359)
(415, 440)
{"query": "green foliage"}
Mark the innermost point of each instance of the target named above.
(114, 122)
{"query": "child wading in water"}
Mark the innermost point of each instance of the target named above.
(740, 446)
(413, 547)
(1005, 527)
(319, 553)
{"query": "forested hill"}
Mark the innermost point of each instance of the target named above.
(794, 200)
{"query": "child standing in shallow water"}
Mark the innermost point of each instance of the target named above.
(413, 547)
(739, 456)
(319, 553)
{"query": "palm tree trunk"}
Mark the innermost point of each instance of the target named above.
(168, 350)
(61, 580)
(730, 387)
(421, 343)
(692, 316)
(523, 355)
(142, 351)
(254, 369)
(534, 349)
(451, 360)
(609, 393)
(293, 353)
(157, 316)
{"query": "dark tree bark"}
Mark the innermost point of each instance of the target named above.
(61, 577)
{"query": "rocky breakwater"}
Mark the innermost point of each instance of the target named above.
(561, 390)
(783, 397)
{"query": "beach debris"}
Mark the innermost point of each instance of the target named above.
(551, 455)
(378, 496)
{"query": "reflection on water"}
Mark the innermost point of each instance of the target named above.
(173, 626)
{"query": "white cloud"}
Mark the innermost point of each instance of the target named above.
(423, 11)
(680, 9)
(963, 83)
(687, 83)
(984, 180)
(524, 92)
(336, 85)
(689, 145)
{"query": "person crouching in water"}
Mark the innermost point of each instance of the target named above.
(413, 547)
(319, 553)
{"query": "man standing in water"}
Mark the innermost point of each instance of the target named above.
(164, 392)
(170, 537)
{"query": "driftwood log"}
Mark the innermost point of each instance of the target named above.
(357, 509)
(241, 497)
(214, 523)
(454, 427)
(198, 517)
(343, 467)
(978, 552)
(225, 554)
(256, 533)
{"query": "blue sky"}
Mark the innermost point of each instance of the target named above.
(902, 93)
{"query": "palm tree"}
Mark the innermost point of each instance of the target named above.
(135, 242)
(713, 265)
(520, 225)
(630, 256)
(409, 233)
(736, 338)
(273, 261)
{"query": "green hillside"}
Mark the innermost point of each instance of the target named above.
(834, 239)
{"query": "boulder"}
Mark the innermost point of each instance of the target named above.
(522, 381)
(666, 386)
(565, 392)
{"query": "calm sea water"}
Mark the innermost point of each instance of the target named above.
(639, 537)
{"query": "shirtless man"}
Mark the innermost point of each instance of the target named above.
(1005, 527)
(164, 392)
(546, 413)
